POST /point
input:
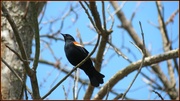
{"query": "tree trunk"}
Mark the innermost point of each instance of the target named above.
(21, 13)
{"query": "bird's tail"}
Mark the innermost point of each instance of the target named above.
(95, 77)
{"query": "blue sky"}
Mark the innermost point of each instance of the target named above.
(147, 11)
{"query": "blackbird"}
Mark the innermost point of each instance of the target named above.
(75, 53)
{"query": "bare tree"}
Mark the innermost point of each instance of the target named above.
(19, 26)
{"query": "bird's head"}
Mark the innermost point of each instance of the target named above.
(68, 37)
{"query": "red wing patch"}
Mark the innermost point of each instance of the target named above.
(77, 44)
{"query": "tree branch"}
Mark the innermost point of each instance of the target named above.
(134, 66)
(143, 52)
(35, 28)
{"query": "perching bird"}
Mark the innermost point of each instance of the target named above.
(75, 53)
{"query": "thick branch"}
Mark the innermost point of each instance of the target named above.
(134, 66)
(95, 14)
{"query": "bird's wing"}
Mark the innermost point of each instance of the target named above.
(79, 45)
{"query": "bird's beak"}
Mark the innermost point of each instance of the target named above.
(62, 34)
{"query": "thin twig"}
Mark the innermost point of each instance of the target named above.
(171, 18)
(12, 70)
(118, 96)
(107, 95)
(86, 4)
(104, 16)
(65, 94)
(90, 18)
(52, 52)
(118, 9)
(111, 17)
(143, 58)
(158, 95)
(74, 91)
(150, 80)
(16, 53)
(16, 74)
(35, 29)
(96, 16)
(136, 46)
(76, 83)
(26, 96)
(26, 10)
(43, 13)
(134, 12)
(52, 36)
(78, 65)
(119, 52)
(75, 86)
(79, 36)
(153, 24)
